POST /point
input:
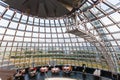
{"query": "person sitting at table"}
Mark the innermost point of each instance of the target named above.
(84, 71)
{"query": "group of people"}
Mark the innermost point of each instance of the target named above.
(32, 71)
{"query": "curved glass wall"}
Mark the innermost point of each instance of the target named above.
(27, 40)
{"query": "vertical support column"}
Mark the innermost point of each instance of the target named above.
(76, 21)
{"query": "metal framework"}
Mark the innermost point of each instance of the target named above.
(25, 39)
(92, 39)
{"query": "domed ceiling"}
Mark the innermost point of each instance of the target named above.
(90, 37)
(45, 8)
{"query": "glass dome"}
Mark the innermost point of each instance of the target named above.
(90, 36)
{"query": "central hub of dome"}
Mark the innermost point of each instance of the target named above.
(45, 8)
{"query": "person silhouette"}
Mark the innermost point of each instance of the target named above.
(84, 71)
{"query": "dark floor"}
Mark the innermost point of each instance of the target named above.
(74, 75)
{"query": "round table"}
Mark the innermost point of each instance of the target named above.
(32, 71)
(43, 69)
(67, 69)
(23, 71)
(55, 70)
